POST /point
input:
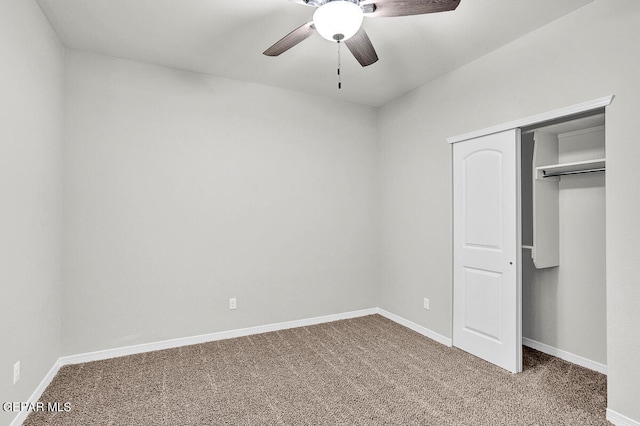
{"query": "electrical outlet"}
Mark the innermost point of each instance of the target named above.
(426, 303)
(232, 303)
(16, 372)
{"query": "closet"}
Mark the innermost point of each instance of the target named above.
(563, 238)
(529, 238)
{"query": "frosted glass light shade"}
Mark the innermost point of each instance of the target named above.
(338, 20)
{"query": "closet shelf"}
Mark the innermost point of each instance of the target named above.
(553, 170)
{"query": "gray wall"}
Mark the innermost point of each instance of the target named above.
(585, 55)
(31, 59)
(182, 190)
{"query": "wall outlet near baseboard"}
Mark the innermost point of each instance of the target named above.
(426, 303)
(232, 303)
(16, 372)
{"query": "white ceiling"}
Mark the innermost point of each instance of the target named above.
(227, 38)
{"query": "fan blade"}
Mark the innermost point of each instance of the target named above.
(382, 8)
(291, 39)
(361, 47)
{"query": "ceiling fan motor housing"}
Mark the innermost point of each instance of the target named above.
(318, 3)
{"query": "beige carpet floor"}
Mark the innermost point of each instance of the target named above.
(363, 371)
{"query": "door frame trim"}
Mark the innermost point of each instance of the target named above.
(535, 119)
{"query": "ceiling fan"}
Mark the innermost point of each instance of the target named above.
(341, 20)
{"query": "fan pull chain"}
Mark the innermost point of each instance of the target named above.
(339, 76)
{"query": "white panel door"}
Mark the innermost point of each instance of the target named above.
(486, 252)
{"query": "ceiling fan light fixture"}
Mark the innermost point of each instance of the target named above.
(338, 20)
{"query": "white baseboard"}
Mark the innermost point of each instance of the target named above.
(194, 340)
(211, 337)
(620, 420)
(415, 327)
(35, 396)
(567, 356)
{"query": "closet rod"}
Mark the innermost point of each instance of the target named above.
(601, 169)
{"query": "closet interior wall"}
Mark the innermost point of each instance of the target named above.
(564, 307)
